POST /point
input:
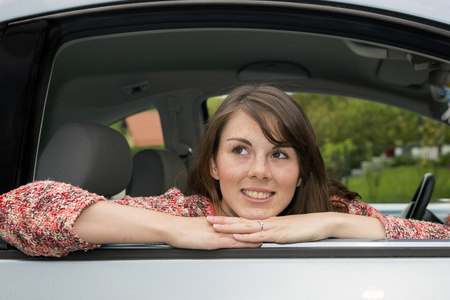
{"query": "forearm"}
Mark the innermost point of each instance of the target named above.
(353, 226)
(398, 228)
(105, 222)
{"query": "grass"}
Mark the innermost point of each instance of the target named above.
(398, 184)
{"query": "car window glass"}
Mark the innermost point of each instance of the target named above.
(379, 151)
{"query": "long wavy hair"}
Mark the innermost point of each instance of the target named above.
(293, 129)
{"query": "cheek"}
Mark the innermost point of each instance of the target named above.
(229, 177)
(288, 176)
(226, 179)
(229, 169)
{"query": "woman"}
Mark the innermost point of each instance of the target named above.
(260, 141)
(263, 181)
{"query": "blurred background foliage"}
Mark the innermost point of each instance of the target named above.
(336, 119)
(369, 146)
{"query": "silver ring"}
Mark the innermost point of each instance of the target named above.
(261, 224)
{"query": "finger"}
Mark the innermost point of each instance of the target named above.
(227, 241)
(231, 242)
(258, 237)
(226, 220)
(251, 226)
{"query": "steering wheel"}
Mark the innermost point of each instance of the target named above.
(417, 207)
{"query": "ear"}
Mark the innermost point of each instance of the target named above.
(299, 182)
(213, 169)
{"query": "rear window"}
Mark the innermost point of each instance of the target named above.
(142, 130)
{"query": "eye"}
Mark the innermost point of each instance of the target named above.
(240, 150)
(279, 154)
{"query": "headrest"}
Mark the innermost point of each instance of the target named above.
(92, 156)
(155, 171)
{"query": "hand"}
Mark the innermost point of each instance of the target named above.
(300, 228)
(197, 233)
(280, 230)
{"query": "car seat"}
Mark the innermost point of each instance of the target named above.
(155, 171)
(92, 156)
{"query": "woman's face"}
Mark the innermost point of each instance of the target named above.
(257, 179)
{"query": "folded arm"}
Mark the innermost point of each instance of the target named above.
(53, 219)
(106, 222)
(361, 221)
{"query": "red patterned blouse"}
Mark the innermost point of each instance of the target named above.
(38, 218)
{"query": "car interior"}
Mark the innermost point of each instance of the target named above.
(169, 70)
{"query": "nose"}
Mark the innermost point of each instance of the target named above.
(260, 169)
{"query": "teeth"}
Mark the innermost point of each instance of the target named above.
(257, 195)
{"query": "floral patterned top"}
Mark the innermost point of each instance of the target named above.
(39, 218)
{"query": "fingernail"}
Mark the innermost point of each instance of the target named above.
(211, 218)
(237, 235)
(218, 226)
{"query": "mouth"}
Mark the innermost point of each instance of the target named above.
(259, 197)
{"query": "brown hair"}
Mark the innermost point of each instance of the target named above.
(293, 129)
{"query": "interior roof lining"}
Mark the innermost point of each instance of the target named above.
(369, 88)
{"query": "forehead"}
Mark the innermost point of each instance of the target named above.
(240, 122)
(243, 123)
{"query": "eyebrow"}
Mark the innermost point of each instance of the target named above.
(247, 142)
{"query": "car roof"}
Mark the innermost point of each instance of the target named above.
(436, 10)
(18, 9)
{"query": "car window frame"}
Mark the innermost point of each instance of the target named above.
(59, 30)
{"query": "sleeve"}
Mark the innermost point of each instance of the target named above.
(39, 218)
(173, 202)
(397, 228)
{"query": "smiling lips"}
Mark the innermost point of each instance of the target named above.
(258, 197)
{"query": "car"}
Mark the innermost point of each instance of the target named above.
(103, 62)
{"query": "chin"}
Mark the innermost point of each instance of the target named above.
(257, 214)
